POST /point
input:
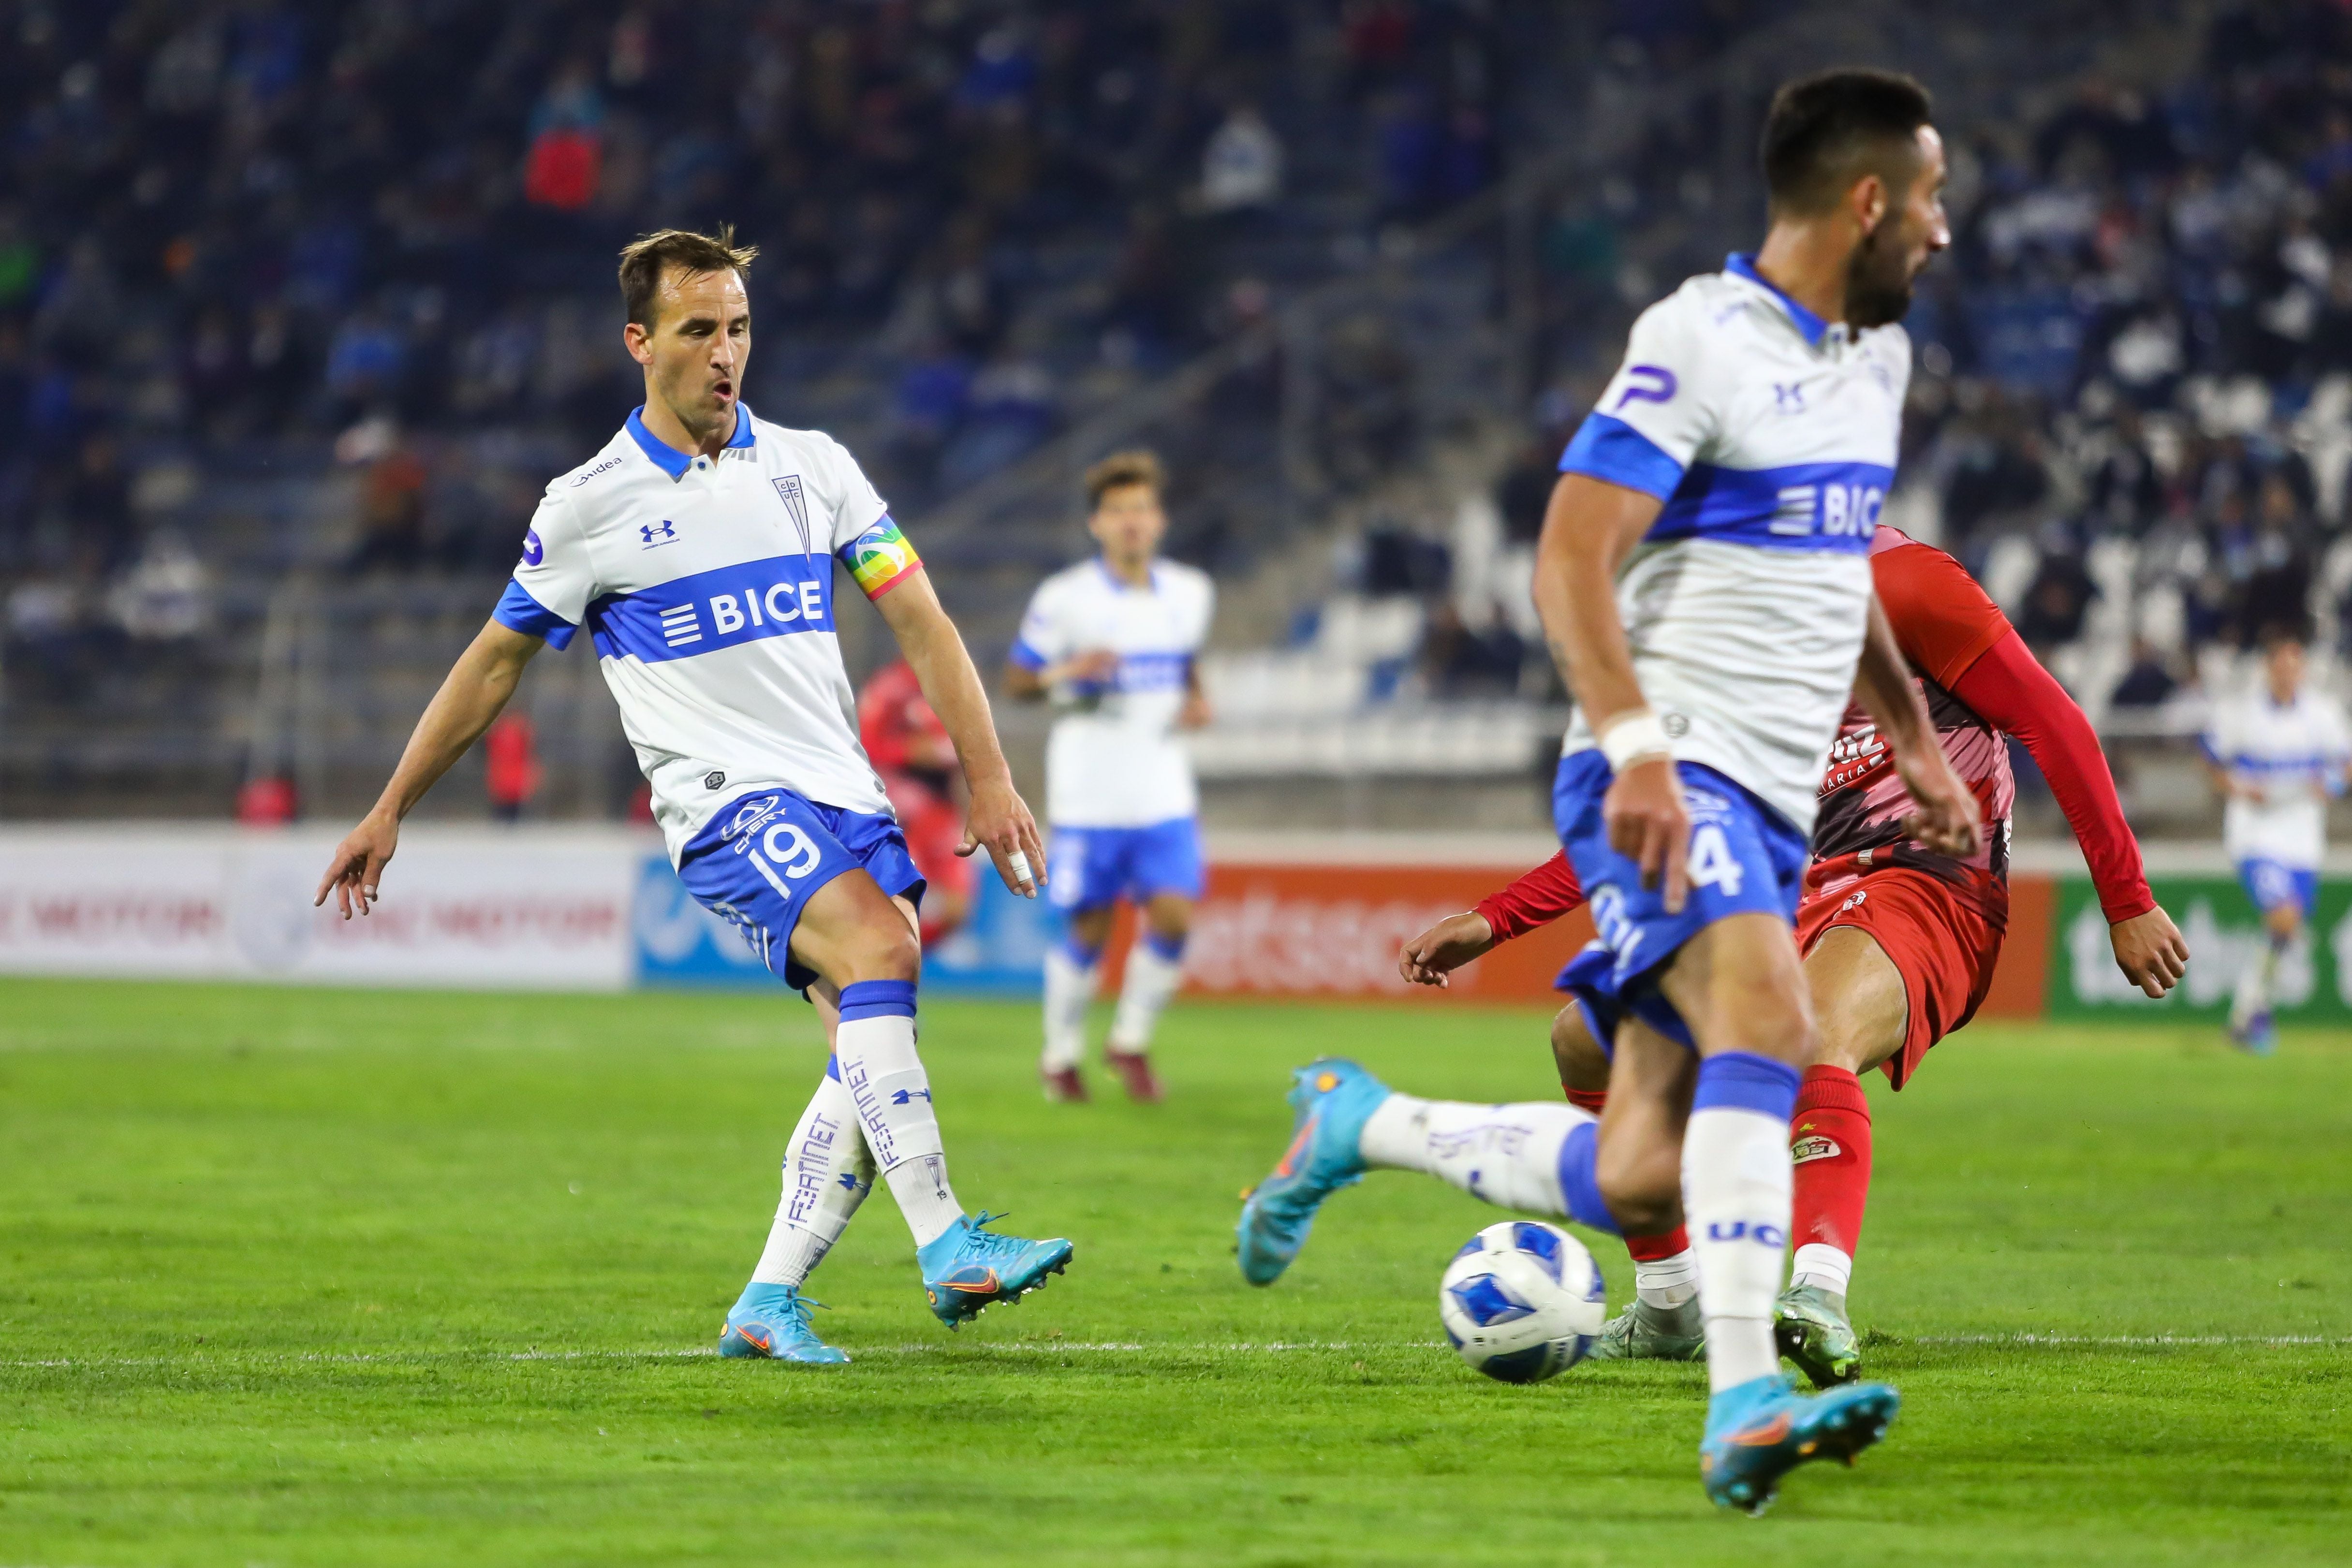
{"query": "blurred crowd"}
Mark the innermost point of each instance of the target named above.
(2131, 411)
(384, 229)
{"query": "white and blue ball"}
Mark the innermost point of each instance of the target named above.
(1522, 1301)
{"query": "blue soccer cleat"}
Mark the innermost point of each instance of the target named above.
(967, 1269)
(1763, 1429)
(1334, 1099)
(2258, 1036)
(771, 1323)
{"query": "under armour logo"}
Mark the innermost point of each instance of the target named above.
(906, 1096)
(1788, 397)
(659, 533)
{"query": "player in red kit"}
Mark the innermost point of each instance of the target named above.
(910, 749)
(1899, 942)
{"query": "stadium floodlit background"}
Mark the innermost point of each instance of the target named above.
(303, 301)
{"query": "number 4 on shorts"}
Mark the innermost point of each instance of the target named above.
(1712, 863)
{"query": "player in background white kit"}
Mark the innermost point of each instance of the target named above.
(2277, 755)
(699, 549)
(1705, 582)
(1113, 643)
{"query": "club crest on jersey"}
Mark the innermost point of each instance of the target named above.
(658, 534)
(788, 488)
(533, 552)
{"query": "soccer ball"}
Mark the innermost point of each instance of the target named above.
(1521, 1301)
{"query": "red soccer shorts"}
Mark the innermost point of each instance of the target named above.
(934, 828)
(1942, 939)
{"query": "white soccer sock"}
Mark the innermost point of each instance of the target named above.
(1823, 1267)
(1151, 980)
(875, 1047)
(1736, 1193)
(1506, 1154)
(1667, 1283)
(1069, 991)
(2255, 980)
(827, 1174)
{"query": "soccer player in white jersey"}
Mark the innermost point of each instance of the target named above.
(1113, 642)
(2277, 755)
(1703, 580)
(697, 549)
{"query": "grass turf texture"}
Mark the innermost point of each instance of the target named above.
(368, 1278)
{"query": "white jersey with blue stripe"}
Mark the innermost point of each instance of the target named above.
(1113, 759)
(707, 587)
(1771, 437)
(2295, 754)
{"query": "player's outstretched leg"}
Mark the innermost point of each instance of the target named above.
(827, 1174)
(1513, 1156)
(1333, 1098)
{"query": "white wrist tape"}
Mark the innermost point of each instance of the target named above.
(1631, 738)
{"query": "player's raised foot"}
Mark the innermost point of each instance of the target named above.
(1811, 1329)
(1761, 1429)
(2258, 1036)
(1333, 1100)
(1134, 1074)
(1645, 1333)
(968, 1268)
(1063, 1086)
(771, 1323)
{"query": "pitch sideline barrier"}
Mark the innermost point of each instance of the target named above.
(1286, 914)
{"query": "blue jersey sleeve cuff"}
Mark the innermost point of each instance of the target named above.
(519, 611)
(1608, 449)
(1027, 657)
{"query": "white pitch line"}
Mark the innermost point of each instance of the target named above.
(1109, 1347)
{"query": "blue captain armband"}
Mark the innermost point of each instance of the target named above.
(519, 611)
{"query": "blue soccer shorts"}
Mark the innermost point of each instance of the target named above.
(756, 863)
(1090, 868)
(2272, 884)
(1744, 858)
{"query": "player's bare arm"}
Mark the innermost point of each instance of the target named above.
(1947, 819)
(1457, 940)
(997, 818)
(475, 690)
(1589, 529)
(1023, 685)
(1195, 714)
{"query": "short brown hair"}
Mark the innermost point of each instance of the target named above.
(644, 260)
(1121, 469)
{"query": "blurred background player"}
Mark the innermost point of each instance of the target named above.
(916, 757)
(1900, 942)
(2277, 753)
(1113, 642)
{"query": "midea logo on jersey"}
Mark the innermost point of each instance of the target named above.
(657, 534)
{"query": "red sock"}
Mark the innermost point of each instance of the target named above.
(1658, 1248)
(1829, 1139)
(1589, 1101)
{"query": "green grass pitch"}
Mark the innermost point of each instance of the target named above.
(294, 1277)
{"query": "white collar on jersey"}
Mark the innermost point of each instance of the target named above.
(1120, 585)
(668, 459)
